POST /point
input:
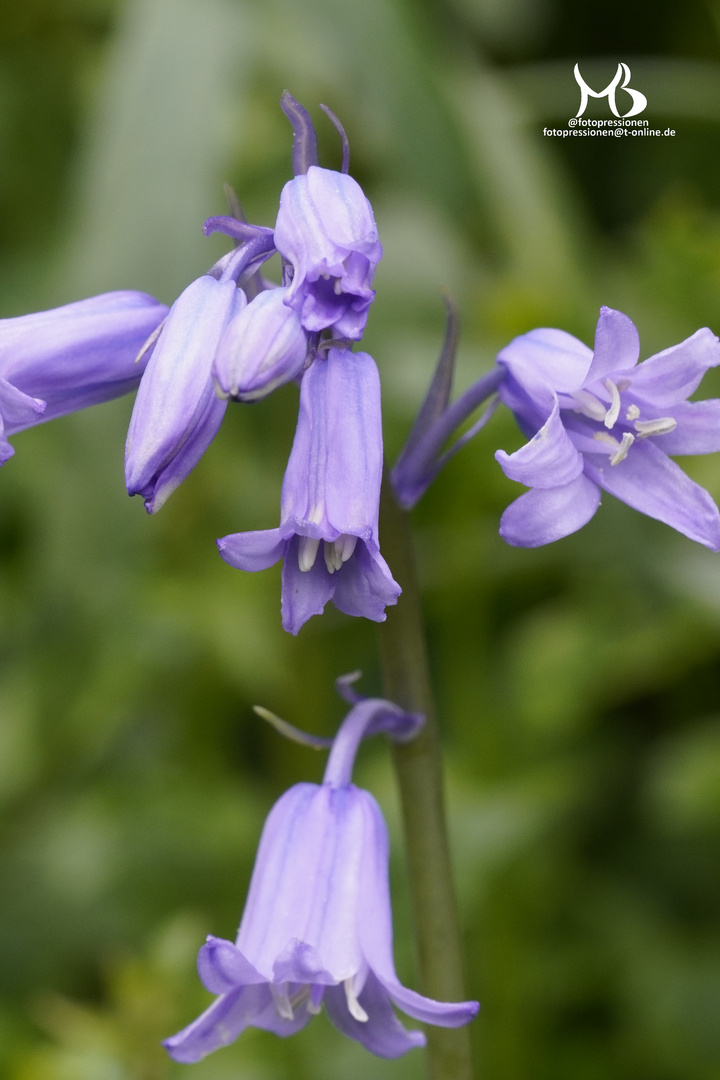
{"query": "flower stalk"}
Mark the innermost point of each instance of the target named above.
(418, 766)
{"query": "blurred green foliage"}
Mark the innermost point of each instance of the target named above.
(579, 685)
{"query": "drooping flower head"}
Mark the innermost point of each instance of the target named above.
(326, 231)
(55, 362)
(317, 926)
(177, 412)
(262, 347)
(598, 420)
(326, 234)
(328, 533)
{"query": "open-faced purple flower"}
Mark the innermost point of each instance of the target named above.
(597, 420)
(328, 534)
(262, 347)
(317, 926)
(326, 231)
(55, 362)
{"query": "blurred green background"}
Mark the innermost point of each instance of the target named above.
(579, 685)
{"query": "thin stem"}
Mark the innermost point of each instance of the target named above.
(418, 767)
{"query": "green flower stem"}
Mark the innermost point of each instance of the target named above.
(418, 764)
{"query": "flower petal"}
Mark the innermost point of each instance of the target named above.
(177, 413)
(673, 374)
(382, 1033)
(549, 460)
(617, 345)
(697, 431)
(560, 360)
(364, 585)
(300, 963)
(252, 550)
(222, 967)
(332, 481)
(542, 515)
(262, 347)
(649, 481)
(376, 930)
(305, 885)
(304, 592)
(227, 1017)
(79, 354)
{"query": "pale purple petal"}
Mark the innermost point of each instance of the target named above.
(672, 375)
(77, 355)
(301, 963)
(306, 881)
(617, 345)
(543, 515)
(326, 231)
(364, 585)
(332, 482)
(304, 593)
(252, 550)
(382, 1033)
(376, 930)
(548, 460)
(552, 356)
(697, 431)
(222, 967)
(262, 347)
(227, 1017)
(176, 409)
(649, 481)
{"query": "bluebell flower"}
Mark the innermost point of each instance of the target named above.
(317, 926)
(328, 533)
(597, 420)
(177, 412)
(261, 348)
(326, 232)
(55, 362)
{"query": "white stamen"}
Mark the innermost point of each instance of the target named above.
(355, 1008)
(348, 545)
(614, 411)
(662, 426)
(332, 556)
(315, 1007)
(282, 1001)
(606, 437)
(588, 405)
(337, 287)
(632, 413)
(622, 453)
(307, 550)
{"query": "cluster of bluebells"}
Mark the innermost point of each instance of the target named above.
(234, 335)
(317, 930)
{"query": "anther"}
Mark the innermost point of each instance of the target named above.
(632, 413)
(332, 557)
(349, 544)
(355, 1008)
(281, 999)
(662, 426)
(589, 405)
(307, 550)
(622, 452)
(614, 411)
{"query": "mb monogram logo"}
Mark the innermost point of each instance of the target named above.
(620, 81)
